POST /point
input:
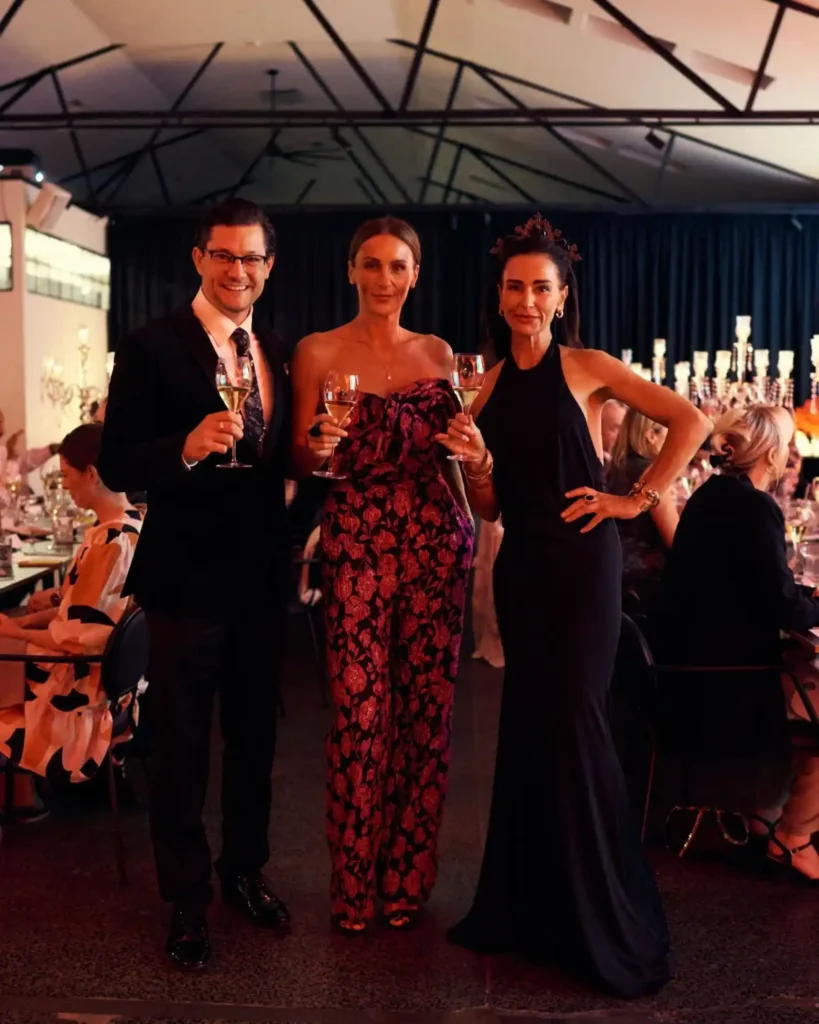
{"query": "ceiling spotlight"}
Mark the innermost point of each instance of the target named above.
(1, 168)
(39, 177)
(654, 140)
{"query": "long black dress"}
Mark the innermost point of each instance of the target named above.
(564, 879)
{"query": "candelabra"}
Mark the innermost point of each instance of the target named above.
(658, 362)
(814, 377)
(741, 374)
(54, 387)
(88, 394)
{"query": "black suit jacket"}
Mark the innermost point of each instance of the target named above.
(212, 538)
(727, 588)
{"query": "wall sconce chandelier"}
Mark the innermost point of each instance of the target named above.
(53, 386)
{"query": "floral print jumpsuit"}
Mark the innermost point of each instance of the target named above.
(397, 549)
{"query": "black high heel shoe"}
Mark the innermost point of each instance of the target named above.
(784, 862)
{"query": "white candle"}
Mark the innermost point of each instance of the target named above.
(626, 355)
(785, 363)
(762, 358)
(700, 364)
(659, 347)
(814, 349)
(722, 362)
(743, 328)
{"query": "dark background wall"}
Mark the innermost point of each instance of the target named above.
(684, 277)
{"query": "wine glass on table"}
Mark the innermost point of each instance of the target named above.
(339, 394)
(798, 517)
(467, 377)
(233, 393)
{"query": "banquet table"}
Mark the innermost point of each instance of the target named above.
(28, 577)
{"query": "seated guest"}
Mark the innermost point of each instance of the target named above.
(15, 464)
(611, 419)
(728, 591)
(646, 539)
(56, 721)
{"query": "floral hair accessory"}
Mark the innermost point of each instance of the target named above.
(535, 227)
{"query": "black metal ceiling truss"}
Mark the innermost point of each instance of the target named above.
(795, 5)
(247, 174)
(504, 177)
(348, 54)
(5, 21)
(160, 176)
(62, 66)
(453, 170)
(75, 142)
(338, 118)
(320, 81)
(661, 51)
(118, 161)
(180, 99)
(661, 118)
(573, 148)
(415, 67)
(305, 192)
(766, 56)
(529, 168)
(447, 188)
(433, 156)
(588, 106)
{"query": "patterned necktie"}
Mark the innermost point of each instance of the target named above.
(253, 413)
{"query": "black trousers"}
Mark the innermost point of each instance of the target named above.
(193, 659)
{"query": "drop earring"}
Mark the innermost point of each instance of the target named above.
(559, 314)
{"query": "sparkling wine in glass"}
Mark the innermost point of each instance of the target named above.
(339, 394)
(467, 379)
(233, 393)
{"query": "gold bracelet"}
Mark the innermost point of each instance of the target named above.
(650, 495)
(485, 468)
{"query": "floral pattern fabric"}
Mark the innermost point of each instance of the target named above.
(397, 552)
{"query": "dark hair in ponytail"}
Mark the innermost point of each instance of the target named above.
(536, 236)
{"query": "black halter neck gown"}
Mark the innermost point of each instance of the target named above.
(564, 879)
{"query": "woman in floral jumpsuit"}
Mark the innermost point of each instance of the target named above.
(397, 545)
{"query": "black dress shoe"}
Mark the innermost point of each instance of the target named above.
(251, 894)
(188, 940)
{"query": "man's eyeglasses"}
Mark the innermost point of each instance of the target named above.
(227, 259)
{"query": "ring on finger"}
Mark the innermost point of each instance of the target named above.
(589, 498)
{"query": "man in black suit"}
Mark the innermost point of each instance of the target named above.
(210, 569)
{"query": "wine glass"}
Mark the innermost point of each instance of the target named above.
(339, 394)
(797, 520)
(467, 377)
(234, 394)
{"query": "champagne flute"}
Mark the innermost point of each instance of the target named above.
(467, 379)
(234, 394)
(339, 394)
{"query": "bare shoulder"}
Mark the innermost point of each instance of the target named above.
(437, 350)
(317, 343)
(592, 360)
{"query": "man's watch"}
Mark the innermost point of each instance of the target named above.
(650, 497)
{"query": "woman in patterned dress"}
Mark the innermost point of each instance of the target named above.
(397, 540)
(61, 725)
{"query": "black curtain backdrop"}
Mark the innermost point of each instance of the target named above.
(683, 277)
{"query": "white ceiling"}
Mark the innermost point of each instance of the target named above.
(573, 48)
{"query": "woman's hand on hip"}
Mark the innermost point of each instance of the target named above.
(599, 506)
(463, 438)
(323, 435)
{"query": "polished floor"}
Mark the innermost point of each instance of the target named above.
(75, 946)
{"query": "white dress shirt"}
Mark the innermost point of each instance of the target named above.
(219, 329)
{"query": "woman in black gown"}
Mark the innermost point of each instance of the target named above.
(564, 879)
